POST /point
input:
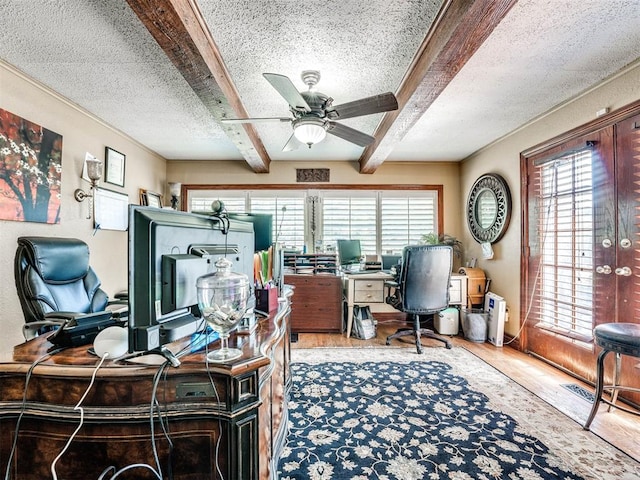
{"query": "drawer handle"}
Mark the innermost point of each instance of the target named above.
(369, 285)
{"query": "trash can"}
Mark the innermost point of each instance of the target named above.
(446, 322)
(475, 324)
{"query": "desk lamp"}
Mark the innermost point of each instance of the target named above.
(174, 190)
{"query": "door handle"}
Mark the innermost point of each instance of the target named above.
(624, 271)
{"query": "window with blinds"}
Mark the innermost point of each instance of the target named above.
(351, 218)
(286, 208)
(564, 295)
(406, 218)
(383, 221)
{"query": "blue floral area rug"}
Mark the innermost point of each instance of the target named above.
(408, 421)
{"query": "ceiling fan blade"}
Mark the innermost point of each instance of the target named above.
(292, 144)
(350, 134)
(255, 120)
(383, 102)
(288, 90)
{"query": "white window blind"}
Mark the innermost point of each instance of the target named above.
(405, 218)
(564, 297)
(383, 220)
(350, 217)
(200, 201)
(286, 207)
(288, 216)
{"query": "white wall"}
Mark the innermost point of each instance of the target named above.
(81, 133)
(504, 158)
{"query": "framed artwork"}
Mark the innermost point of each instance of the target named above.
(150, 199)
(30, 170)
(114, 167)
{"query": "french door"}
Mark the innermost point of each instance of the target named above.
(582, 245)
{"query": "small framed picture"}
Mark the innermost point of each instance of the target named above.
(114, 167)
(150, 199)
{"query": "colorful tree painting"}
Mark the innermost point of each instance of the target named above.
(30, 171)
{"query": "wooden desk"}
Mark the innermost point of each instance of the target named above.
(369, 289)
(241, 431)
(366, 289)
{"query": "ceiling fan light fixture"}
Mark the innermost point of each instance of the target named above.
(310, 131)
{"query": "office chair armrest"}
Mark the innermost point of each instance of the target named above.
(121, 295)
(53, 319)
(30, 330)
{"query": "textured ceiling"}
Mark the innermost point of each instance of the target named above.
(100, 55)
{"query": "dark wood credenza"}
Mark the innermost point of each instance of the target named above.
(239, 432)
(317, 306)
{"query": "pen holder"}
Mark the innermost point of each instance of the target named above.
(266, 299)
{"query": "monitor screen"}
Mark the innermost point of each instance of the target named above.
(262, 228)
(349, 252)
(168, 250)
(389, 261)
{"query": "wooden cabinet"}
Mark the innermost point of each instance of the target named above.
(458, 290)
(225, 421)
(317, 303)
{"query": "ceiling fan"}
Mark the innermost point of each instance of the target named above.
(314, 114)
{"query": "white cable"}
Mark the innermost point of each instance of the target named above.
(24, 406)
(128, 467)
(534, 287)
(77, 407)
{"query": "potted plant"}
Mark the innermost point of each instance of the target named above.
(444, 239)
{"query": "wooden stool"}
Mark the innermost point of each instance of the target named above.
(621, 339)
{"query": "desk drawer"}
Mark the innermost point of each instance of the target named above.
(371, 285)
(368, 296)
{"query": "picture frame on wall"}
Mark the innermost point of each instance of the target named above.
(150, 199)
(114, 167)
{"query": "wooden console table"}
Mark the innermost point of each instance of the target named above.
(236, 433)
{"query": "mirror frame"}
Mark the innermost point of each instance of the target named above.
(500, 189)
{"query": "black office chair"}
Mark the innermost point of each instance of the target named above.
(422, 288)
(55, 284)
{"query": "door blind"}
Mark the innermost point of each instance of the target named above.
(563, 299)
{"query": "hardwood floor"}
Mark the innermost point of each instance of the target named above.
(618, 428)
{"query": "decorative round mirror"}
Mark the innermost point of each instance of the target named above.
(489, 208)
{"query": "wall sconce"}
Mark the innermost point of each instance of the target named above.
(94, 172)
(174, 191)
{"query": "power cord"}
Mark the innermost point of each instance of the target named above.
(219, 441)
(78, 407)
(14, 444)
(536, 278)
(158, 470)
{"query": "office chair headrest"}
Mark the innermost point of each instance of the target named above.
(57, 260)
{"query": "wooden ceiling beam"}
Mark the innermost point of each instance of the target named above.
(180, 30)
(460, 28)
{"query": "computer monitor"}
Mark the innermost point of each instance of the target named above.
(168, 250)
(262, 228)
(389, 261)
(349, 252)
